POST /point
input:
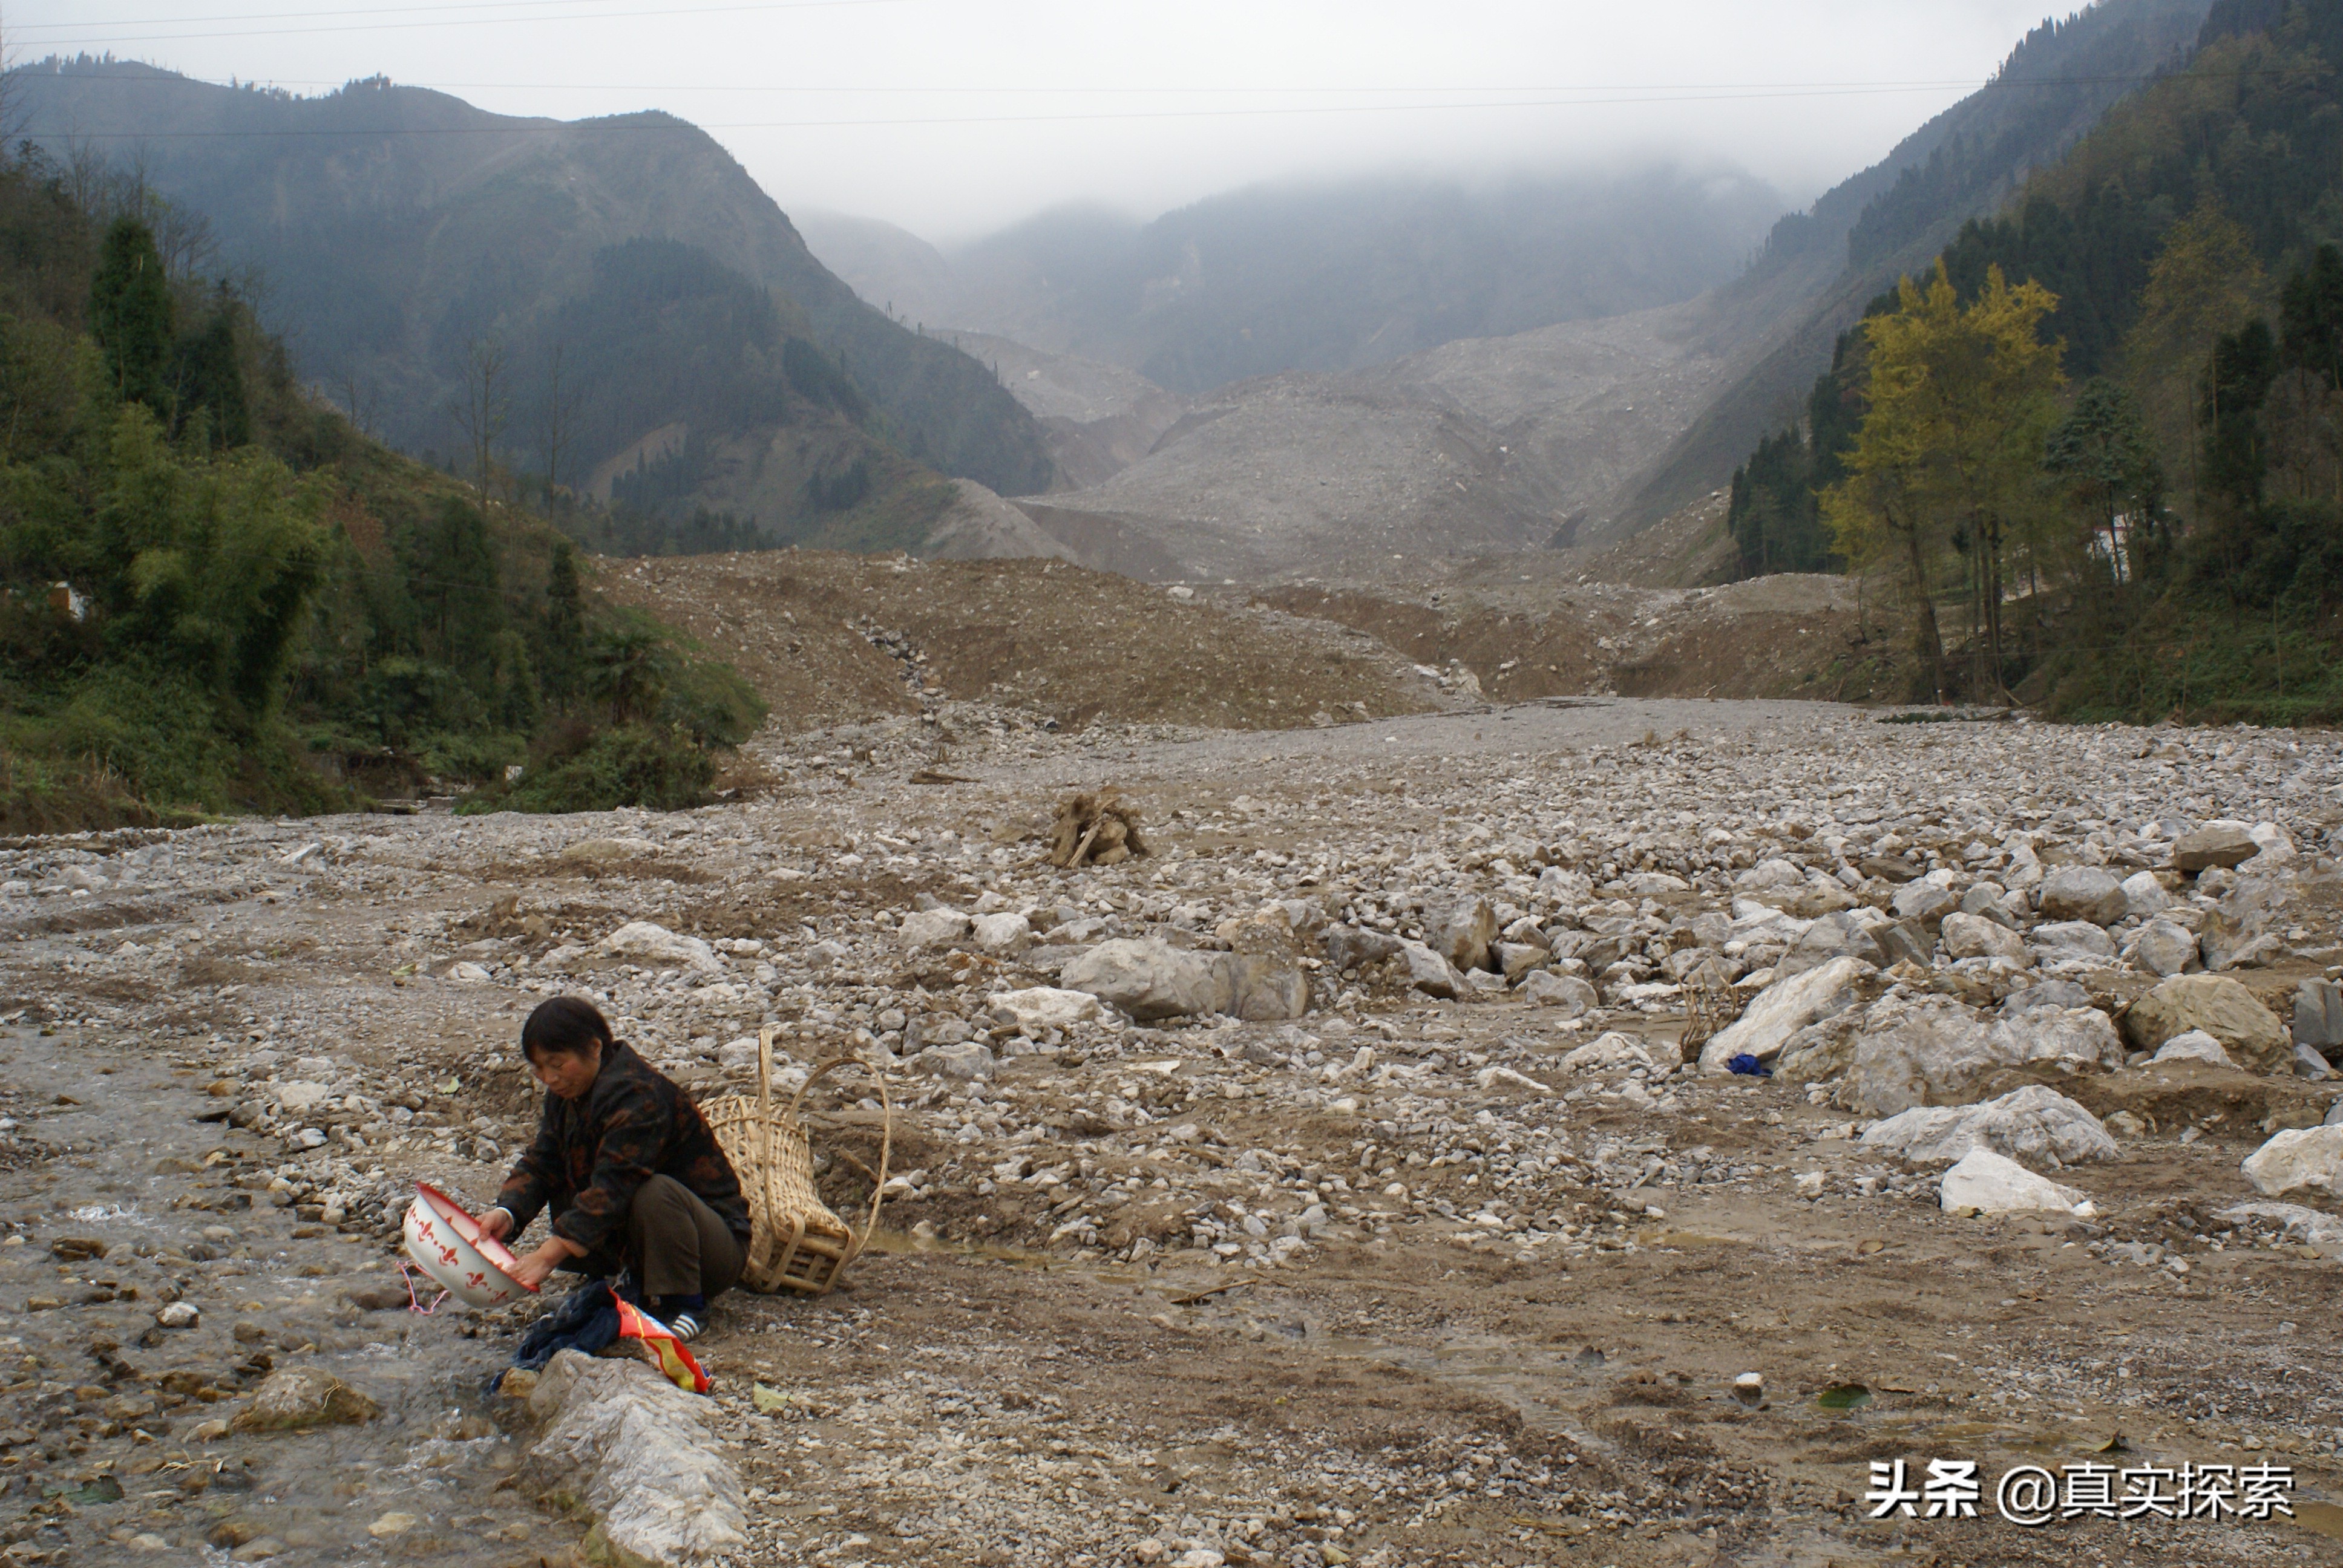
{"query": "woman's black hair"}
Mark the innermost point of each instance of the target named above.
(566, 1026)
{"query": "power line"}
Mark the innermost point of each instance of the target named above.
(288, 16)
(85, 39)
(158, 77)
(631, 122)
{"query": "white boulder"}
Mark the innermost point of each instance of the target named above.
(1004, 932)
(2030, 1122)
(1975, 937)
(933, 928)
(2064, 939)
(1783, 1009)
(1934, 1051)
(1044, 1007)
(1568, 994)
(2166, 949)
(1607, 1052)
(2144, 894)
(643, 942)
(642, 1456)
(2082, 893)
(1995, 1184)
(2301, 1157)
(2194, 1046)
(1430, 972)
(1148, 980)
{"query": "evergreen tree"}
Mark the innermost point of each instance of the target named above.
(211, 378)
(2236, 387)
(2311, 317)
(2101, 449)
(565, 625)
(130, 315)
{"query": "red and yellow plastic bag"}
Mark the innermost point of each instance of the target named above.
(659, 1347)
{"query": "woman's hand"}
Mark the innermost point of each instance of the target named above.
(496, 1225)
(532, 1270)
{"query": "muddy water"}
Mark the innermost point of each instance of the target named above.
(103, 1414)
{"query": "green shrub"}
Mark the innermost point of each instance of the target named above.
(660, 769)
(714, 704)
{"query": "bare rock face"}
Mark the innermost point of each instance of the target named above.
(2220, 1006)
(2223, 844)
(2083, 893)
(302, 1397)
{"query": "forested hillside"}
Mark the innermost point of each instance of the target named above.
(562, 287)
(2107, 429)
(1896, 216)
(216, 594)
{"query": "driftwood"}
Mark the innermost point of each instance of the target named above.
(1100, 829)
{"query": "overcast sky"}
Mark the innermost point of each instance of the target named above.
(955, 116)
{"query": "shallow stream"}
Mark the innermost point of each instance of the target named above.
(105, 1452)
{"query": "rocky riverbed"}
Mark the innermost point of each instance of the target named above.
(1333, 1183)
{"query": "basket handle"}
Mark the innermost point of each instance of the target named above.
(765, 1118)
(886, 1139)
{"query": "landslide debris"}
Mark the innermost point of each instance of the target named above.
(829, 638)
(1404, 1214)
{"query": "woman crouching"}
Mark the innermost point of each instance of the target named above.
(636, 1179)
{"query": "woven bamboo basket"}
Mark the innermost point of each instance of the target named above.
(795, 1242)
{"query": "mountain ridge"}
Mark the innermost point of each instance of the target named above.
(1327, 276)
(397, 224)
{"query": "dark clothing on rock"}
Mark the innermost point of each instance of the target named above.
(597, 1159)
(585, 1321)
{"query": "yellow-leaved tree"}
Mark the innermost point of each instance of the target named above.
(1959, 399)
